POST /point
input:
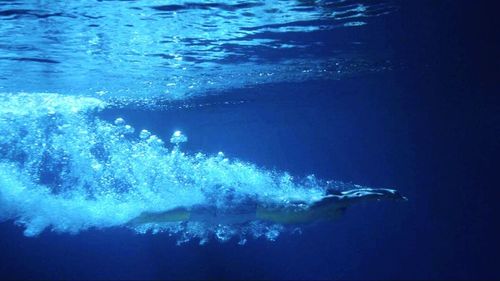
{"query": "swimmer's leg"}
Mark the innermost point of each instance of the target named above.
(174, 215)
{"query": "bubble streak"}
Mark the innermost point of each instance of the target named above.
(62, 168)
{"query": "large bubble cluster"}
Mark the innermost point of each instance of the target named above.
(62, 168)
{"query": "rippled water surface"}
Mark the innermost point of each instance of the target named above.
(178, 49)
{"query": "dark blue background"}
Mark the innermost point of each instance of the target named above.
(429, 128)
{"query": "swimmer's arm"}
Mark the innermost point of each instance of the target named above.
(366, 194)
(330, 206)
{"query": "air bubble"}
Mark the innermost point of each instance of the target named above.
(220, 156)
(128, 129)
(178, 137)
(119, 121)
(154, 140)
(144, 134)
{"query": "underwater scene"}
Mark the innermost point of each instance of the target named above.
(273, 140)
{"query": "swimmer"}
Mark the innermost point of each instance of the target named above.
(330, 206)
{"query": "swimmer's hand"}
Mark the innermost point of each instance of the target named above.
(348, 197)
(374, 193)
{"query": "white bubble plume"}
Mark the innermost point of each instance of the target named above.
(62, 168)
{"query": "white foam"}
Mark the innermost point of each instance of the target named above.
(64, 169)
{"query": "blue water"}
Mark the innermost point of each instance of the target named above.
(279, 101)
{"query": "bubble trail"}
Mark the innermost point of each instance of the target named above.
(62, 168)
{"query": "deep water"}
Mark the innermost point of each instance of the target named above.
(427, 126)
